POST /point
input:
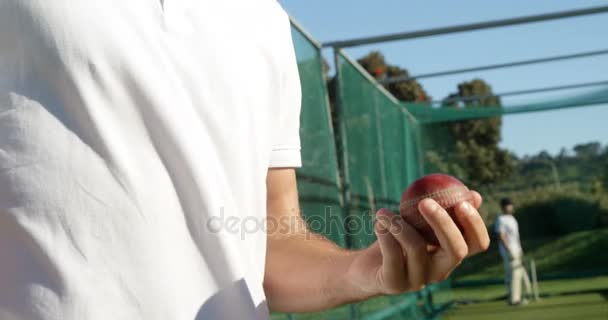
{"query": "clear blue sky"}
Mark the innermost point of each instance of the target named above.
(524, 134)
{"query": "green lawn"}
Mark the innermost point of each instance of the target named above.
(573, 253)
(576, 252)
(581, 307)
(545, 288)
(560, 299)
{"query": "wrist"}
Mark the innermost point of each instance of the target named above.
(346, 284)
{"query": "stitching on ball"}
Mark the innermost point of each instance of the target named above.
(449, 197)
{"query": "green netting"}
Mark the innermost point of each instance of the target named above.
(436, 147)
(384, 144)
(380, 149)
(381, 152)
(427, 114)
(318, 182)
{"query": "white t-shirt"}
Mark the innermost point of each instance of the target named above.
(508, 224)
(135, 139)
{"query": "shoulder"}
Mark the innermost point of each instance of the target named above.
(510, 220)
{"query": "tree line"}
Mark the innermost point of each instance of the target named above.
(472, 151)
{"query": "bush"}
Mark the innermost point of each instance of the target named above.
(543, 212)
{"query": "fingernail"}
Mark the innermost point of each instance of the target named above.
(382, 223)
(466, 207)
(431, 205)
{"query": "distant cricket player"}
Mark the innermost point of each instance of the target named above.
(512, 253)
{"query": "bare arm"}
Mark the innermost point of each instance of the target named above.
(503, 239)
(306, 272)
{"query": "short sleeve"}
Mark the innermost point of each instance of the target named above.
(500, 226)
(285, 151)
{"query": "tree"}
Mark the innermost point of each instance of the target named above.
(604, 161)
(588, 150)
(605, 176)
(407, 91)
(326, 68)
(476, 141)
(542, 156)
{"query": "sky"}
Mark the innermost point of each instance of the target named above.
(524, 134)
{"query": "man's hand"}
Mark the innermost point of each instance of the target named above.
(401, 260)
(306, 272)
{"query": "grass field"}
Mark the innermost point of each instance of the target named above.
(572, 253)
(581, 299)
(580, 306)
(546, 288)
(560, 299)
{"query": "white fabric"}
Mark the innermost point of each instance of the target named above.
(506, 223)
(516, 274)
(135, 138)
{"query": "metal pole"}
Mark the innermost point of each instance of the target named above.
(466, 27)
(305, 33)
(343, 161)
(490, 112)
(528, 91)
(496, 66)
(380, 144)
(342, 151)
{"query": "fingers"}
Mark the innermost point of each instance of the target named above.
(416, 252)
(404, 251)
(449, 236)
(474, 230)
(407, 261)
(453, 246)
(394, 277)
(477, 199)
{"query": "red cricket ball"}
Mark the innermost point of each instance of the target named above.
(446, 190)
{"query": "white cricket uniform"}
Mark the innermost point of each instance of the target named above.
(506, 223)
(135, 139)
(515, 271)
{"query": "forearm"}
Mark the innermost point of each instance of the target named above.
(306, 273)
(503, 240)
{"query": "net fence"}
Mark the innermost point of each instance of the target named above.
(332, 203)
(379, 147)
(318, 179)
(362, 148)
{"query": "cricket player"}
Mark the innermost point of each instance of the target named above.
(145, 146)
(512, 254)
